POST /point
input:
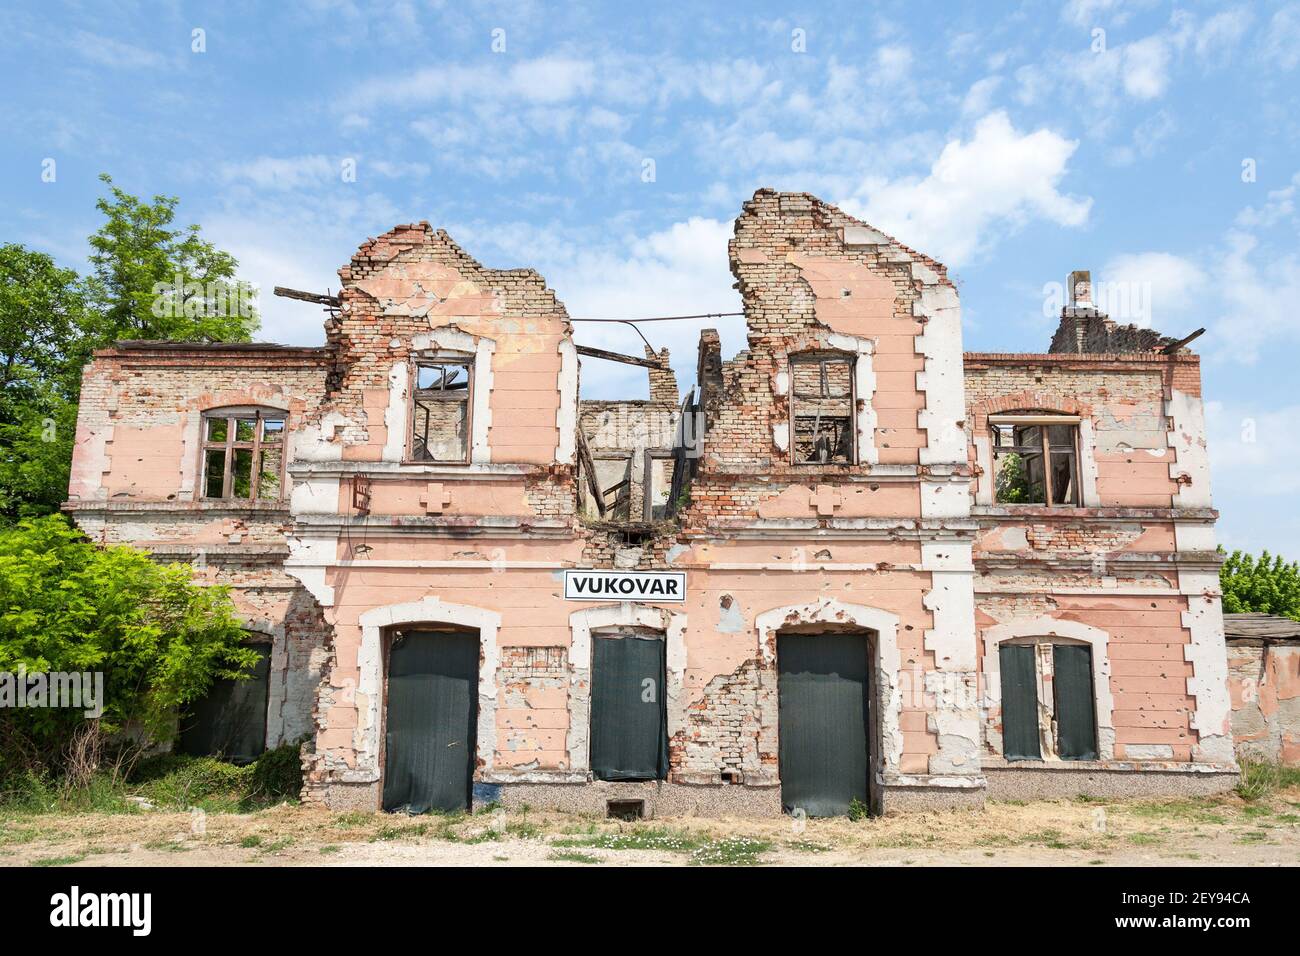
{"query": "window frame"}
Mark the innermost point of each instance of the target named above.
(1045, 422)
(1046, 698)
(820, 357)
(442, 358)
(231, 414)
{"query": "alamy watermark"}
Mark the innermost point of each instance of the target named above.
(72, 690)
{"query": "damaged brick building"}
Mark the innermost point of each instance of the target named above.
(852, 563)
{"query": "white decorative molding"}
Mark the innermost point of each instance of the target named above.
(1096, 638)
(370, 683)
(607, 617)
(449, 341)
(566, 416)
(888, 693)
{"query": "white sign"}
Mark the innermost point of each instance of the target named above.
(656, 587)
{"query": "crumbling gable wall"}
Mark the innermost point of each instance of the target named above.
(413, 290)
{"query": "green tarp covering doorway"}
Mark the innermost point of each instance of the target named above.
(1076, 714)
(431, 715)
(1019, 702)
(230, 721)
(629, 722)
(824, 690)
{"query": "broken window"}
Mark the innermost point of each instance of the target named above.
(440, 425)
(1048, 703)
(822, 409)
(1035, 460)
(243, 454)
(613, 476)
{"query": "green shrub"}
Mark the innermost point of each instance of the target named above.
(277, 774)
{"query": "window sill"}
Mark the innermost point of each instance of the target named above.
(202, 505)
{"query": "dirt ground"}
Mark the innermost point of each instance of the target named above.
(1203, 831)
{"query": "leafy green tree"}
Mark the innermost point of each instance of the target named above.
(41, 313)
(1267, 585)
(154, 281)
(42, 316)
(36, 456)
(67, 605)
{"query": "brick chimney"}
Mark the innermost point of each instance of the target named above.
(1080, 289)
(663, 382)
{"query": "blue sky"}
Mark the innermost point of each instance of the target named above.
(1013, 142)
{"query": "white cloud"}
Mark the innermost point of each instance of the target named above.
(1254, 447)
(1087, 13)
(1146, 68)
(1244, 291)
(1156, 287)
(296, 172)
(1282, 43)
(114, 53)
(979, 97)
(1279, 205)
(994, 182)
(542, 80)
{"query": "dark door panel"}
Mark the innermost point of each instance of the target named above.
(432, 711)
(824, 689)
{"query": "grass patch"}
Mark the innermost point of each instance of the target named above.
(648, 838)
(1260, 779)
(570, 856)
(730, 851)
(1191, 810)
(399, 832)
(59, 860)
(808, 846)
(251, 841)
(330, 848)
(1145, 839)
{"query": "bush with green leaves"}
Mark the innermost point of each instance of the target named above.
(68, 605)
(1264, 585)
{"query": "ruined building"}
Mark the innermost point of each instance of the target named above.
(851, 563)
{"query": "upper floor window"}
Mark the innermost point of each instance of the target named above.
(1035, 459)
(440, 423)
(822, 409)
(243, 453)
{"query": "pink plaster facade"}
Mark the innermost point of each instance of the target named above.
(903, 542)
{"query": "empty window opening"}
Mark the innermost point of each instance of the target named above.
(625, 809)
(658, 485)
(440, 424)
(243, 454)
(1048, 702)
(629, 717)
(822, 405)
(229, 721)
(613, 473)
(1035, 460)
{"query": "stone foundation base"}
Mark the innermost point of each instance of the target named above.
(344, 796)
(1044, 783)
(914, 799)
(661, 799)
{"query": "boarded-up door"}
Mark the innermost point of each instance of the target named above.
(824, 721)
(629, 726)
(1019, 702)
(1076, 714)
(429, 731)
(230, 721)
